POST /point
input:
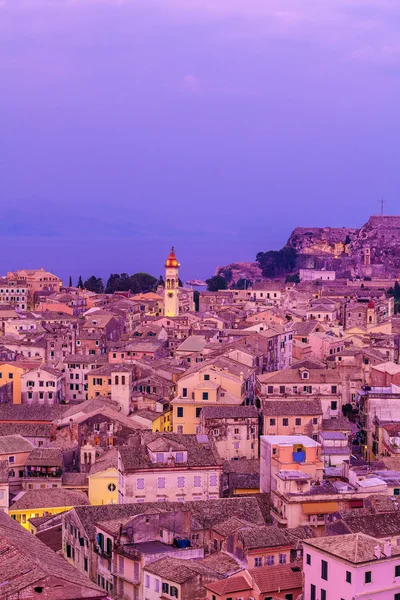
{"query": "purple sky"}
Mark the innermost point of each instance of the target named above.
(216, 125)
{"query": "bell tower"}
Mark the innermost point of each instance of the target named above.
(171, 293)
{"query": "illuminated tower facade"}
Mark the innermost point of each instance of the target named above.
(171, 294)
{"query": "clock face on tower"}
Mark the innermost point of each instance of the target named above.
(170, 295)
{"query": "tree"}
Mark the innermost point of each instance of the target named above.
(161, 282)
(216, 283)
(80, 282)
(70, 281)
(292, 278)
(141, 283)
(196, 298)
(112, 283)
(277, 262)
(347, 240)
(94, 284)
(242, 284)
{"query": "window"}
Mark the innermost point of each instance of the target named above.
(323, 594)
(397, 596)
(334, 389)
(179, 411)
(184, 393)
(307, 389)
(288, 596)
(269, 561)
(397, 571)
(282, 389)
(206, 377)
(181, 482)
(147, 581)
(156, 585)
(11, 459)
(205, 396)
(197, 481)
(179, 457)
(324, 570)
(198, 412)
(315, 420)
(368, 576)
(348, 576)
(313, 590)
(161, 482)
(213, 480)
(334, 405)
(270, 389)
(305, 375)
(282, 559)
(272, 422)
(298, 421)
(308, 559)
(111, 487)
(285, 422)
(258, 562)
(165, 588)
(236, 430)
(173, 591)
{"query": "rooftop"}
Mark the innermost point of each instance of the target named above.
(27, 562)
(356, 548)
(49, 498)
(12, 444)
(290, 440)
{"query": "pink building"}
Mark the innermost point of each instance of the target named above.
(385, 374)
(354, 566)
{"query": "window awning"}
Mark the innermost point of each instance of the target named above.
(320, 508)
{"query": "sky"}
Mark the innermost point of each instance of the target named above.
(218, 126)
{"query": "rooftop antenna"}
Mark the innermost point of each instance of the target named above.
(382, 202)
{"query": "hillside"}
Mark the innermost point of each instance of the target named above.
(373, 251)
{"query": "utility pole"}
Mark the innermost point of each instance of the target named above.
(382, 202)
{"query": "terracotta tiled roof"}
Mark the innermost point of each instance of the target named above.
(278, 577)
(231, 585)
(296, 408)
(356, 548)
(47, 498)
(29, 563)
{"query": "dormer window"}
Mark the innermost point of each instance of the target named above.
(160, 457)
(179, 457)
(206, 377)
(305, 375)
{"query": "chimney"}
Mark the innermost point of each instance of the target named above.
(387, 549)
(377, 551)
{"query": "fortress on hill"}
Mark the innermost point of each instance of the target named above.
(371, 251)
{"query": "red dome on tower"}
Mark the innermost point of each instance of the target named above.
(371, 304)
(172, 261)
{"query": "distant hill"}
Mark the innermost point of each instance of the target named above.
(339, 249)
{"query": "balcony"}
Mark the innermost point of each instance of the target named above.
(133, 578)
(278, 516)
(101, 552)
(43, 472)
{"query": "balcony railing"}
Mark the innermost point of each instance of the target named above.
(43, 473)
(134, 578)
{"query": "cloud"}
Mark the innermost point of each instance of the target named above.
(191, 84)
(387, 54)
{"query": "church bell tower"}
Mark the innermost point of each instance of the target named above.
(171, 293)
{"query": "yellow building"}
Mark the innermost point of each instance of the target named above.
(103, 479)
(171, 293)
(42, 502)
(156, 421)
(222, 381)
(11, 372)
(99, 382)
